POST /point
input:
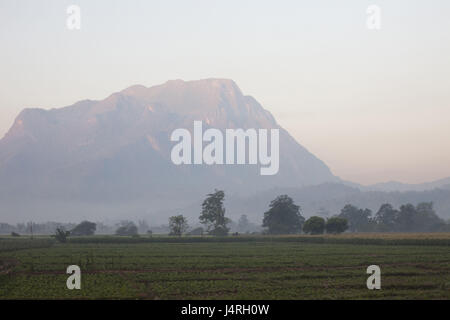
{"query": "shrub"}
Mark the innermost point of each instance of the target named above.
(336, 225)
(61, 235)
(85, 228)
(314, 225)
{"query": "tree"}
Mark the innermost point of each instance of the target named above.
(178, 225)
(85, 228)
(410, 218)
(336, 225)
(359, 220)
(61, 234)
(314, 225)
(283, 217)
(386, 217)
(421, 218)
(426, 219)
(405, 218)
(127, 228)
(213, 214)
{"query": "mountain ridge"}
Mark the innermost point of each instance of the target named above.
(110, 157)
(117, 150)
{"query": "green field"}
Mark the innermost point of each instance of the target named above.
(229, 268)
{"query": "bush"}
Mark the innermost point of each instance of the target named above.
(61, 235)
(336, 225)
(85, 228)
(14, 234)
(314, 225)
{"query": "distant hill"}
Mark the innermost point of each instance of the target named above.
(398, 186)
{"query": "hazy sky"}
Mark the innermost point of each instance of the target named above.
(374, 105)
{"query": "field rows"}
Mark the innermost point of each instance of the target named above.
(278, 270)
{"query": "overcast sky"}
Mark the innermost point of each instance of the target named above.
(374, 105)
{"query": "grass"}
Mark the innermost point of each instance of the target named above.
(247, 268)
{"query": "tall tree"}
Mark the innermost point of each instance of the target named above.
(359, 220)
(283, 217)
(213, 214)
(386, 217)
(178, 225)
(405, 218)
(426, 219)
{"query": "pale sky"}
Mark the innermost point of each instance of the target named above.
(373, 105)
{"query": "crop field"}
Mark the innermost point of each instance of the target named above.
(258, 268)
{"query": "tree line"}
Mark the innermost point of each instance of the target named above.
(282, 217)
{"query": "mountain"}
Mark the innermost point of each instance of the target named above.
(111, 158)
(398, 186)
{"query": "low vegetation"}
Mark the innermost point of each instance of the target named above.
(263, 267)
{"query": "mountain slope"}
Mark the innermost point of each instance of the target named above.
(114, 154)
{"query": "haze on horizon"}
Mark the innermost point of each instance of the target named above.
(373, 105)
